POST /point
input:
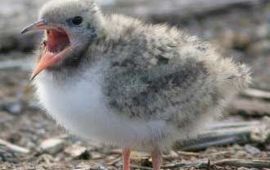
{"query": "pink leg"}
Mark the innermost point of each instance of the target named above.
(126, 159)
(156, 159)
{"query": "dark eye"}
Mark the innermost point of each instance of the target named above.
(77, 20)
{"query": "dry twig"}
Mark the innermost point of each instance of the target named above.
(244, 163)
(253, 132)
(13, 147)
(246, 107)
(204, 164)
(224, 162)
(256, 93)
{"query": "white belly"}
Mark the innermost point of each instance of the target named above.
(80, 107)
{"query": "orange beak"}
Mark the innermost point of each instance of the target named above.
(48, 58)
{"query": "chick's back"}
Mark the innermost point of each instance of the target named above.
(158, 72)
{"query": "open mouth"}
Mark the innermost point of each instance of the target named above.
(57, 46)
(57, 41)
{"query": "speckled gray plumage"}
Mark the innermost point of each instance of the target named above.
(158, 72)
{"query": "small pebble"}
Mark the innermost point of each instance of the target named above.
(14, 108)
(252, 150)
(52, 146)
(96, 155)
(78, 152)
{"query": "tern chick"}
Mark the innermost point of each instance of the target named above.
(121, 81)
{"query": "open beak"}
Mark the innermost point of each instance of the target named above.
(48, 59)
(56, 39)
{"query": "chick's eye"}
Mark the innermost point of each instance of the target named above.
(77, 20)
